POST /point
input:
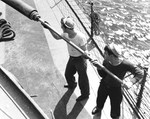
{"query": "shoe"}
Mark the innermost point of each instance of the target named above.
(96, 110)
(80, 98)
(70, 87)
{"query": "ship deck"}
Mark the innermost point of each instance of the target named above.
(38, 62)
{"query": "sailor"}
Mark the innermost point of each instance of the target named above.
(77, 62)
(119, 66)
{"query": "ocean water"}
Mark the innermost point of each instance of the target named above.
(128, 21)
(125, 22)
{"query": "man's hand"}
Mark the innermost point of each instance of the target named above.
(95, 63)
(6, 33)
(45, 24)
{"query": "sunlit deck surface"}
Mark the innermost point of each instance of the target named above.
(38, 62)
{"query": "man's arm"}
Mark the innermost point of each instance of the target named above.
(138, 75)
(84, 47)
(55, 35)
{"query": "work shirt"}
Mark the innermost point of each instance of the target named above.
(120, 71)
(79, 40)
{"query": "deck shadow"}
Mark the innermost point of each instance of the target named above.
(76, 110)
(60, 111)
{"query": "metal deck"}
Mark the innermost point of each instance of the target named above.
(38, 61)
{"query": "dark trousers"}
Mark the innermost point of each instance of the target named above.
(115, 95)
(79, 65)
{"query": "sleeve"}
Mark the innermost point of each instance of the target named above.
(137, 72)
